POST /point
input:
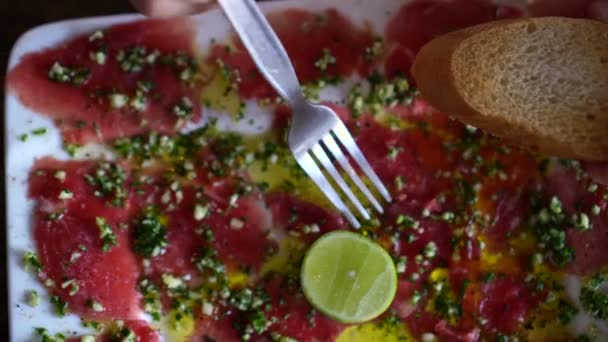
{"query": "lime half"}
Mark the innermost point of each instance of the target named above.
(348, 277)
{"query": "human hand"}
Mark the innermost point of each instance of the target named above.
(169, 8)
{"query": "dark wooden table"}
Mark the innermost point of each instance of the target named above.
(16, 17)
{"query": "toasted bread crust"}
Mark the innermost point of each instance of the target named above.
(437, 70)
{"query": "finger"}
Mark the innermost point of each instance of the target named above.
(599, 10)
(170, 8)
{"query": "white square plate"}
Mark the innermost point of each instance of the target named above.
(21, 155)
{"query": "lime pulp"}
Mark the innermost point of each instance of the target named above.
(348, 277)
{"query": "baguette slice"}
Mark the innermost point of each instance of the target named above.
(539, 83)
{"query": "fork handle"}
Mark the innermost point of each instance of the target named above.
(264, 47)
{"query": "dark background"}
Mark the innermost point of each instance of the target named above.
(16, 17)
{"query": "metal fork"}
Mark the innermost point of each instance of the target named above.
(316, 131)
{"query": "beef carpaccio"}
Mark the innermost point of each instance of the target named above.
(199, 235)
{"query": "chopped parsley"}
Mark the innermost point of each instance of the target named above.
(33, 298)
(184, 108)
(151, 296)
(123, 334)
(31, 262)
(154, 145)
(132, 59)
(39, 131)
(61, 306)
(325, 61)
(252, 302)
(581, 221)
(107, 236)
(430, 250)
(381, 94)
(139, 102)
(566, 311)
(489, 277)
(150, 233)
(108, 180)
(63, 74)
(594, 301)
(47, 337)
(549, 224)
(210, 264)
(72, 149)
(406, 221)
(416, 297)
(92, 325)
(374, 51)
(258, 323)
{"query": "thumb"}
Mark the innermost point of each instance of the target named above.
(170, 8)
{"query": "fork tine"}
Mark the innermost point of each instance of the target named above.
(308, 164)
(347, 140)
(333, 147)
(318, 151)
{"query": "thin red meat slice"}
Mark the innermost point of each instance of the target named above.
(446, 332)
(183, 241)
(109, 278)
(84, 113)
(588, 246)
(419, 21)
(287, 312)
(291, 215)
(414, 238)
(305, 35)
(404, 167)
(45, 186)
(505, 194)
(510, 214)
(402, 305)
(296, 318)
(505, 303)
(598, 172)
(241, 233)
(70, 248)
(216, 329)
(561, 181)
(421, 322)
(240, 227)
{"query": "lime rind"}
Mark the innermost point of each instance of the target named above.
(348, 277)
